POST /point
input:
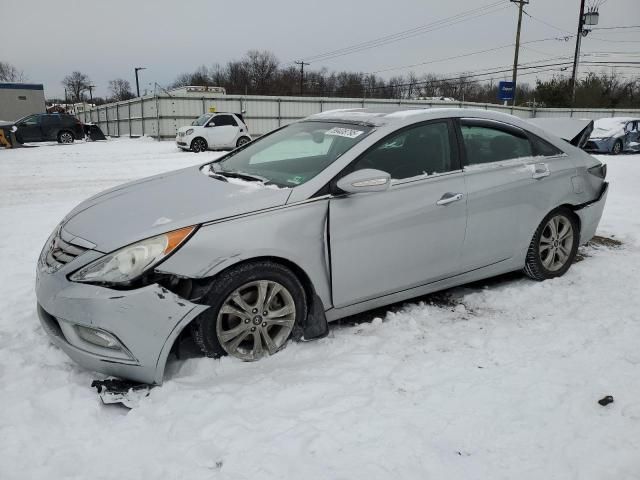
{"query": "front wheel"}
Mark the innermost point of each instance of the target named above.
(554, 245)
(617, 147)
(255, 308)
(199, 145)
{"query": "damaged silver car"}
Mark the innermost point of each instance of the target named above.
(333, 215)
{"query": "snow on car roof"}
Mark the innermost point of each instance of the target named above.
(387, 115)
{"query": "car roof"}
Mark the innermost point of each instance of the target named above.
(398, 115)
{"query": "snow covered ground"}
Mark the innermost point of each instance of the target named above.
(497, 380)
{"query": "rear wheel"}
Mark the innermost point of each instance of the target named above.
(65, 137)
(554, 245)
(254, 310)
(617, 147)
(199, 145)
(242, 141)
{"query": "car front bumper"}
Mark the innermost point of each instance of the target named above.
(144, 322)
(184, 141)
(590, 215)
(599, 146)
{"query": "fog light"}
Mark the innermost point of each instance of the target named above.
(97, 337)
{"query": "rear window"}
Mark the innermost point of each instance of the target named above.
(544, 148)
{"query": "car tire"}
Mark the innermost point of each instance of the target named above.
(617, 148)
(198, 145)
(553, 248)
(245, 324)
(65, 136)
(242, 141)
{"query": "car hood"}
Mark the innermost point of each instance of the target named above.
(151, 206)
(607, 132)
(184, 129)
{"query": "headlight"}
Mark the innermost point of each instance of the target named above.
(132, 261)
(190, 131)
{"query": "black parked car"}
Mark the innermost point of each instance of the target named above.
(45, 127)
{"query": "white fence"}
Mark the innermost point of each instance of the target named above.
(160, 116)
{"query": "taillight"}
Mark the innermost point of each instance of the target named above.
(599, 170)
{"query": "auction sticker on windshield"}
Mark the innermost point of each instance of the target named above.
(344, 132)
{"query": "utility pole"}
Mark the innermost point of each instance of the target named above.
(302, 63)
(589, 19)
(576, 56)
(137, 69)
(521, 4)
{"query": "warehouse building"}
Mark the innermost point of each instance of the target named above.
(18, 100)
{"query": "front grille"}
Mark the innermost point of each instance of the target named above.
(61, 251)
(181, 134)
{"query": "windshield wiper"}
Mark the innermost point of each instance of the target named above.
(237, 174)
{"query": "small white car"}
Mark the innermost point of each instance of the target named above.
(214, 131)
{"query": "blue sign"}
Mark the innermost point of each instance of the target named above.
(505, 90)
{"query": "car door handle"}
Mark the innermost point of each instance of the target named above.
(449, 197)
(540, 170)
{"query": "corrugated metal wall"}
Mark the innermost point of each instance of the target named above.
(161, 116)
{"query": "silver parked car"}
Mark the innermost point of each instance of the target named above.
(333, 215)
(615, 135)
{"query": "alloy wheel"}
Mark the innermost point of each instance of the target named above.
(556, 243)
(256, 319)
(198, 145)
(243, 141)
(66, 137)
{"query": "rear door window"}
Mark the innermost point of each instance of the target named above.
(486, 144)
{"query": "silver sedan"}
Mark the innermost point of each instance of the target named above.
(333, 215)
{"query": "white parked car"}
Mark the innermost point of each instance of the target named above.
(212, 131)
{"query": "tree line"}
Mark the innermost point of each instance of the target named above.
(260, 73)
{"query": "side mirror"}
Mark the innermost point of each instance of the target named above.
(367, 180)
(211, 124)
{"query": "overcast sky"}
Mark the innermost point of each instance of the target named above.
(50, 38)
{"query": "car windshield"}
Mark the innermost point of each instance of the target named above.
(294, 154)
(201, 120)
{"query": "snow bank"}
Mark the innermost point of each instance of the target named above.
(499, 379)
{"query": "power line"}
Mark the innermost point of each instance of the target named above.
(420, 30)
(477, 52)
(545, 22)
(616, 28)
(533, 68)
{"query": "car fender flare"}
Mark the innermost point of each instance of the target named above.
(316, 324)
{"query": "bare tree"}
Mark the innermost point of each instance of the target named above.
(261, 68)
(76, 84)
(9, 73)
(120, 89)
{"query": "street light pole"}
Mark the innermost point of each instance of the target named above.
(91, 87)
(521, 4)
(137, 69)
